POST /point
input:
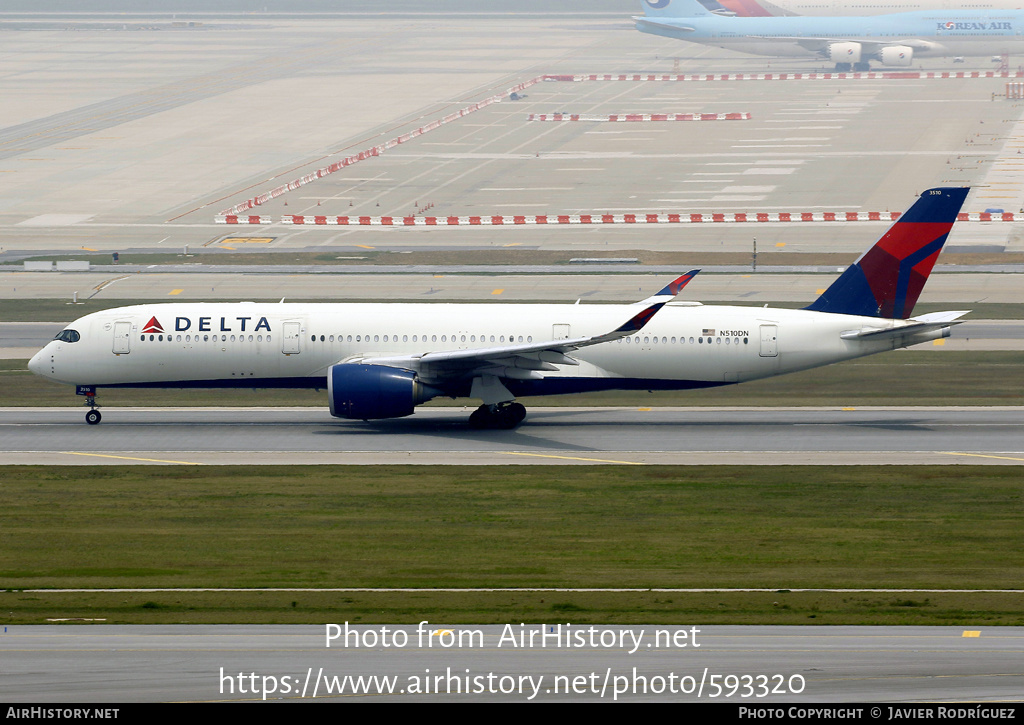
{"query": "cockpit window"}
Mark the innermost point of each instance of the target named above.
(68, 336)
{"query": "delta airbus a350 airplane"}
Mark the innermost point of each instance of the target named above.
(382, 360)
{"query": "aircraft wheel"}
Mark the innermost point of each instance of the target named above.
(497, 417)
(518, 412)
(480, 418)
(93, 417)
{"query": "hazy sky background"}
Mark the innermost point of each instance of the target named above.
(625, 7)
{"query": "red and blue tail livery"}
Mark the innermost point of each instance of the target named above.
(887, 279)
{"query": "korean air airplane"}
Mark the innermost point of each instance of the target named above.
(382, 360)
(849, 42)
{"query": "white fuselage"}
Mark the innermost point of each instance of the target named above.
(293, 345)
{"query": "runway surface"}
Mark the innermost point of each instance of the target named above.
(293, 436)
(957, 664)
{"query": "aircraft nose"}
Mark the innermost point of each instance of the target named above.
(38, 362)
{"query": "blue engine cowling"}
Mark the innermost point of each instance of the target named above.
(369, 392)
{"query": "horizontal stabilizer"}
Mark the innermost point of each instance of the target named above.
(913, 326)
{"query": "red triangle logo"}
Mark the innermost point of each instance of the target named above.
(153, 326)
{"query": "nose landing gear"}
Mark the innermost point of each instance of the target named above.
(89, 391)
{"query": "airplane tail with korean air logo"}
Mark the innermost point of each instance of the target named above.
(887, 279)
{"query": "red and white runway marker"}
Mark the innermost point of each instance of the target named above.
(640, 218)
(639, 117)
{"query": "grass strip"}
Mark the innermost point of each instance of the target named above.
(876, 527)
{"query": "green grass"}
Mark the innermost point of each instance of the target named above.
(902, 377)
(441, 527)
(968, 609)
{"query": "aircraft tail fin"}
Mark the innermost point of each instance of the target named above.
(673, 8)
(887, 279)
(745, 8)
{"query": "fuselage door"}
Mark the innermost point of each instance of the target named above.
(292, 335)
(122, 338)
(769, 340)
(559, 332)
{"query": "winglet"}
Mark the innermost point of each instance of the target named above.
(671, 289)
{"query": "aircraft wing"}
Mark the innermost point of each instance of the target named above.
(644, 22)
(523, 360)
(912, 326)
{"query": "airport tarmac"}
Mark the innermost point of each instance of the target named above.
(586, 436)
(629, 663)
(107, 149)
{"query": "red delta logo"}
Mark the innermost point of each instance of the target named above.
(153, 326)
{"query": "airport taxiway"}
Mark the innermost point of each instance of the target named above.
(802, 664)
(587, 436)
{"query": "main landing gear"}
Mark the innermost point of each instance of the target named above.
(500, 416)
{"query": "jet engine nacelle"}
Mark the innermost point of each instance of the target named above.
(369, 392)
(844, 52)
(899, 55)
